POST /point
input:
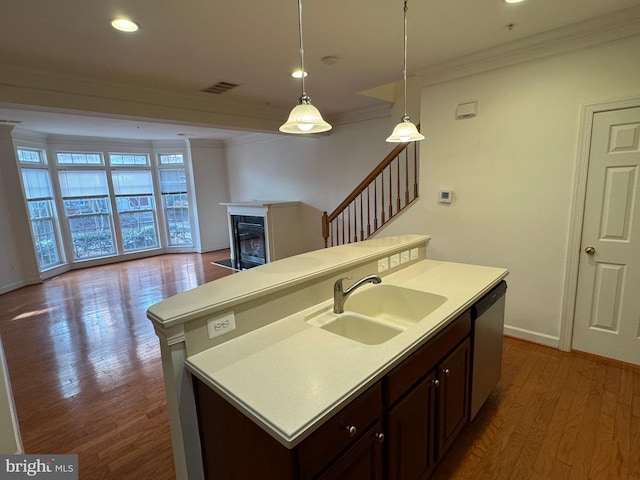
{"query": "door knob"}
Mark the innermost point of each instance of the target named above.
(589, 250)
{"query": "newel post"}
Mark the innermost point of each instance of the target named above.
(325, 228)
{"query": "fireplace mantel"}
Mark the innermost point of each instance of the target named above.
(281, 227)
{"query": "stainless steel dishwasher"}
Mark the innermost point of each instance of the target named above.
(487, 317)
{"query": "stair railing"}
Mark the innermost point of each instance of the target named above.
(386, 191)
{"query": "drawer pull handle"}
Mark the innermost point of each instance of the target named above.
(446, 371)
(436, 382)
(380, 437)
(352, 430)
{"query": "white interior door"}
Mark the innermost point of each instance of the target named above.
(607, 313)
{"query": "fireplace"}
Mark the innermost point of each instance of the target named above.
(249, 241)
(263, 231)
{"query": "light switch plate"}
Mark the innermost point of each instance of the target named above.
(383, 264)
(220, 325)
(395, 260)
(404, 256)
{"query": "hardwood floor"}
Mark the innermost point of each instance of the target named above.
(85, 368)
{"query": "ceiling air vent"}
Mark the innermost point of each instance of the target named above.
(220, 87)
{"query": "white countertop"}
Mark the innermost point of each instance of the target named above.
(289, 376)
(226, 292)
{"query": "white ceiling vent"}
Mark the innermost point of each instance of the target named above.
(220, 87)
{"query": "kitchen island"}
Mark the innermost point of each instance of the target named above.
(248, 339)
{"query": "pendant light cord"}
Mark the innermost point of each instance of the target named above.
(303, 98)
(404, 72)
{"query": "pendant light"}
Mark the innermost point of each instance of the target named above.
(405, 131)
(304, 118)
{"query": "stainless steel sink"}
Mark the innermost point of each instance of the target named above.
(374, 315)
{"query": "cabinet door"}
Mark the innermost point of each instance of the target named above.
(411, 433)
(453, 396)
(363, 461)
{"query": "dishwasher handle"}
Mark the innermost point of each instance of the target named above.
(489, 299)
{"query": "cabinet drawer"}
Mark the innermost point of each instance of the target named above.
(332, 438)
(401, 378)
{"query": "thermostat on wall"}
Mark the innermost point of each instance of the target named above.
(445, 196)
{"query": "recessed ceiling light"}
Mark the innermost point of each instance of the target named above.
(298, 74)
(125, 25)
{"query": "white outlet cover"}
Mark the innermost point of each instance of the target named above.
(395, 260)
(221, 324)
(383, 265)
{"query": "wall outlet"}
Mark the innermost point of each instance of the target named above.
(404, 256)
(383, 265)
(413, 254)
(220, 325)
(395, 260)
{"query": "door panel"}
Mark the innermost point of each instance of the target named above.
(607, 314)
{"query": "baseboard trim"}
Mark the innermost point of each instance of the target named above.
(530, 336)
(17, 285)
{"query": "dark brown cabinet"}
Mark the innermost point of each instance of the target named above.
(426, 399)
(363, 461)
(410, 432)
(453, 396)
(398, 429)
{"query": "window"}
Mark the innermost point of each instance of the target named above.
(42, 211)
(118, 159)
(30, 156)
(85, 195)
(175, 201)
(135, 205)
(79, 159)
(87, 205)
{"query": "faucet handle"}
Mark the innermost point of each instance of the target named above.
(338, 284)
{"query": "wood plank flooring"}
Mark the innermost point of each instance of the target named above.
(85, 368)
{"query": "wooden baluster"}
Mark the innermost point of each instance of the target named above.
(368, 211)
(398, 182)
(375, 204)
(406, 176)
(382, 203)
(349, 224)
(342, 216)
(390, 193)
(415, 170)
(361, 220)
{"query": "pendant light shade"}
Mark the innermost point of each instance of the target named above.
(304, 118)
(405, 131)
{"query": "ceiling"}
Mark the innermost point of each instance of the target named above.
(185, 46)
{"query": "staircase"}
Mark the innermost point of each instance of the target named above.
(390, 188)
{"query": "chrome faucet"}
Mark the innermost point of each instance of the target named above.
(340, 295)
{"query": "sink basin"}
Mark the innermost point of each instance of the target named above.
(378, 313)
(395, 305)
(356, 327)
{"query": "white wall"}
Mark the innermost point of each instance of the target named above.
(10, 440)
(210, 181)
(318, 170)
(18, 264)
(511, 169)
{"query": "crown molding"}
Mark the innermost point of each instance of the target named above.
(572, 38)
(31, 87)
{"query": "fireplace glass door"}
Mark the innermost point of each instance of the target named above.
(249, 241)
